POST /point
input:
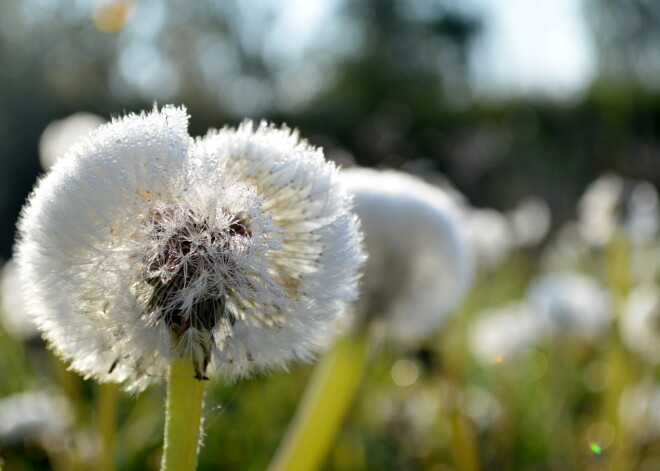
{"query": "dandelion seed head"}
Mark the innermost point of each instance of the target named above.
(613, 203)
(571, 303)
(504, 334)
(530, 221)
(420, 264)
(237, 249)
(640, 322)
(41, 416)
(639, 410)
(13, 316)
(491, 235)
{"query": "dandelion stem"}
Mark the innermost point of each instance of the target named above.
(323, 406)
(183, 417)
(618, 259)
(464, 447)
(107, 424)
(71, 385)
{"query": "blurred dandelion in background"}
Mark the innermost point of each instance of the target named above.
(503, 334)
(639, 410)
(418, 270)
(15, 319)
(640, 322)
(530, 221)
(420, 264)
(572, 304)
(60, 135)
(42, 416)
(613, 203)
(491, 235)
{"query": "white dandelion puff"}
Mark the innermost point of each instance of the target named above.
(43, 415)
(238, 249)
(597, 209)
(530, 221)
(566, 249)
(420, 265)
(639, 410)
(491, 235)
(415, 417)
(613, 203)
(640, 322)
(571, 303)
(503, 334)
(13, 315)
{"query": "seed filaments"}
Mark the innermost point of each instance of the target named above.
(187, 292)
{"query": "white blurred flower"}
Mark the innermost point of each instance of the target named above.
(414, 417)
(419, 418)
(571, 302)
(639, 411)
(420, 265)
(481, 406)
(35, 414)
(530, 221)
(237, 249)
(566, 249)
(597, 209)
(640, 322)
(13, 315)
(503, 334)
(613, 202)
(491, 235)
(643, 217)
(60, 135)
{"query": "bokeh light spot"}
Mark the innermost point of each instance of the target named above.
(110, 16)
(404, 372)
(600, 435)
(534, 366)
(597, 376)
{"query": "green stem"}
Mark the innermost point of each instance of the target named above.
(323, 406)
(183, 417)
(107, 424)
(71, 384)
(465, 449)
(618, 258)
(465, 446)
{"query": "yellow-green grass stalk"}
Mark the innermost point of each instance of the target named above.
(106, 422)
(617, 261)
(464, 446)
(72, 385)
(323, 407)
(464, 443)
(562, 372)
(183, 416)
